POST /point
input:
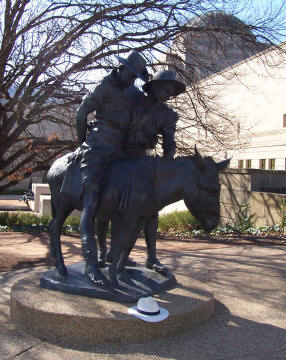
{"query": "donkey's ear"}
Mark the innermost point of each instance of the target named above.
(222, 165)
(200, 160)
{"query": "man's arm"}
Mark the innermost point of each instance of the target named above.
(92, 102)
(168, 134)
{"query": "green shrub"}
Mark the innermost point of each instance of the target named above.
(282, 213)
(16, 220)
(177, 221)
(244, 220)
(71, 225)
(26, 222)
(73, 221)
(13, 192)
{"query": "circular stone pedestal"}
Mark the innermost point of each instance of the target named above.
(78, 321)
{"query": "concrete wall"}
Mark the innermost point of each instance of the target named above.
(264, 206)
(243, 186)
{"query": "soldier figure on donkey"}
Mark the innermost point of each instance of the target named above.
(134, 190)
(112, 103)
(126, 122)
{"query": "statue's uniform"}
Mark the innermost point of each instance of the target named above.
(104, 142)
(147, 122)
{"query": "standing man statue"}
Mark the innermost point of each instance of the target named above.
(150, 117)
(111, 102)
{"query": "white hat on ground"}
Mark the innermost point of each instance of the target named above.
(147, 309)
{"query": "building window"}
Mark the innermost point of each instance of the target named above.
(240, 164)
(284, 120)
(248, 164)
(271, 164)
(262, 164)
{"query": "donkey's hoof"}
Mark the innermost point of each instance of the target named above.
(62, 270)
(115, 283)
(113, 277)
(124, 276)
(130, 262)
(158, 267)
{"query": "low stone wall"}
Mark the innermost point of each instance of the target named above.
(264, 206)
(243, 186)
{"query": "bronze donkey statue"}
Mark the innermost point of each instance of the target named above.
(132, 192)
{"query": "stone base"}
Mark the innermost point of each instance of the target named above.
(76, 321)
(138, 282)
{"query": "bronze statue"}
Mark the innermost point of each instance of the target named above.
(150, 117)
(111, 101)
(113, 180)
(144, 186)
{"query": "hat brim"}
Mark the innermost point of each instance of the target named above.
(179, 87)
(150, 318)
(144, 76)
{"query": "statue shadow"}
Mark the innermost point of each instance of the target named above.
(224, 336)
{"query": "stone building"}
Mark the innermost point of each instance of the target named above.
(255, 97)
(204, 50)
(247, 80)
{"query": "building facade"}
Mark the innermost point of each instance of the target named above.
(244, 79)
(256, 98)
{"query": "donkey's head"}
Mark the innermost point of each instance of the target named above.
(202, 198)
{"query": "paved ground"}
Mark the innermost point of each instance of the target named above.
(248, 282)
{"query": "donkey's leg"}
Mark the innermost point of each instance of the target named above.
(127, 261)
(102, 229)
(150, 230)
(133, 236)
(121, 229)
(60, 211)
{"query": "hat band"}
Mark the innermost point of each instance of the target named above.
(148, 313)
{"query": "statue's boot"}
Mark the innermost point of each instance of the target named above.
(92, 269)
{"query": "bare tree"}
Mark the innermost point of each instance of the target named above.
(52, 50)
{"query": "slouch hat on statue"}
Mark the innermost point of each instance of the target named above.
(163, 77)
(136, 64)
